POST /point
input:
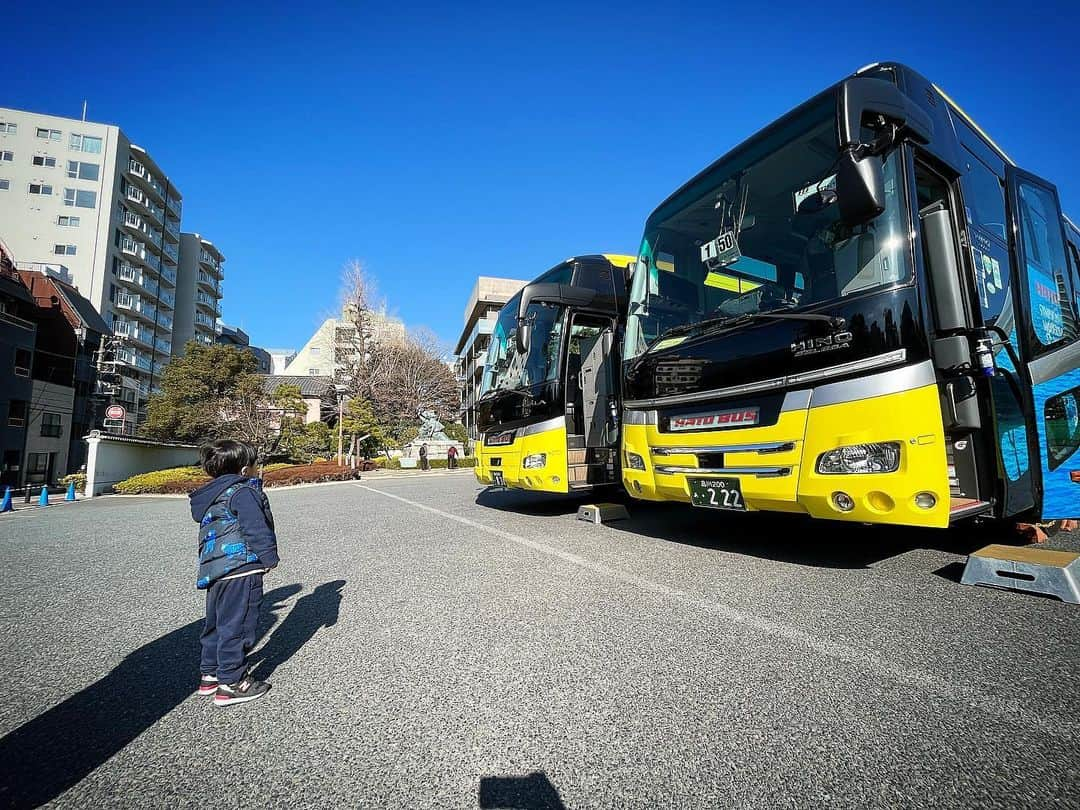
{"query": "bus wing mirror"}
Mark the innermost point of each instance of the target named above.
(860, 188)
(863, 98)
(521, 336)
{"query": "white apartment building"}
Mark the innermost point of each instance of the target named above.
(80, 195)
(198, 292)
(333, 345)
(488, 296)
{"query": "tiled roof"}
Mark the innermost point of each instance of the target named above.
(309, 386)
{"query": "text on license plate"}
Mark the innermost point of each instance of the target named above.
(717, 493)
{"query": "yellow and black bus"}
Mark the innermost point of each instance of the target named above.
(549, 409)
(865, 312)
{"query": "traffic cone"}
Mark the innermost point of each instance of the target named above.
(43, 500)
(71, 491)
(5, 504)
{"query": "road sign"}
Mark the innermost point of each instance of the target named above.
(116, 412)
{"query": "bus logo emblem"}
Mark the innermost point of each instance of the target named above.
(820, 345)
(714, 419)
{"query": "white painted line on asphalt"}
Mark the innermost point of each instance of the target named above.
(845, 653)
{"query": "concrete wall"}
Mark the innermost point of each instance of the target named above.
(114, 459)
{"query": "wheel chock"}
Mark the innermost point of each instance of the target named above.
(1026, 568)
(602, 512)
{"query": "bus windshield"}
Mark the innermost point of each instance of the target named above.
(761, 232)
(506, 368)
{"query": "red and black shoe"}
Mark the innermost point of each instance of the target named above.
(246, 689)
(208, 685)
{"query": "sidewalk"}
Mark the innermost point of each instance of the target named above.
(54, 500)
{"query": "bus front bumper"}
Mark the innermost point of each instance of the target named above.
(777, 465)
(534, 462)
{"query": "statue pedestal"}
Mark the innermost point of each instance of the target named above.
(436, 448)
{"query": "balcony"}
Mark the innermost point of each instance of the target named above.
(163, 346)
(168, 275)
(156, 185)
(137, 169)
(132, 275)
(135, 195)
(204, 320)
(210, 302)
(167, 299)
(172, 252)
(133, 221)
(176, 206)
(204, 339)
(208, 280)
(210, 262)
(155, 211)
(165, 321)
(135, 359)
(133, 331)
(133, 248)
(171, 229)
(135, 304)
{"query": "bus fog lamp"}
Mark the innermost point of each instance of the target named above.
(843, 501)
(926, 500)
(879, 457)
(535, 461)
(634, 461)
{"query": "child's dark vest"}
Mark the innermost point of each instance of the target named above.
(222, 548)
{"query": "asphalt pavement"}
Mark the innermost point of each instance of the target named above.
(434, 645)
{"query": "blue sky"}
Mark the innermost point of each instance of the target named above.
(438, 143)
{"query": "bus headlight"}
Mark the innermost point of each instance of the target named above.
(534, 461)
(634, 461)
(880, 457)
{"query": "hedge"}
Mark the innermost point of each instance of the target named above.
(78, 479)
(309, 474)
(436, 463)
(172, 481)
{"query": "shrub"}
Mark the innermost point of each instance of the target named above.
(309, 474)
(78, 479)
(174, 480)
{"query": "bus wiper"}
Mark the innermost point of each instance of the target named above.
(834, 321)
(746, 317)
(686, 328)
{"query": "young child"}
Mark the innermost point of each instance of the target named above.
(237, 546)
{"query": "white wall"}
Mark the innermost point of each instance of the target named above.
(112, 460)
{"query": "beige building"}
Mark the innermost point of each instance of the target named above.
(198, 292)
(328, 352)
(79, 197)
(488, 296)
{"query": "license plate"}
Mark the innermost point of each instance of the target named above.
(717, 493)
(497, 479)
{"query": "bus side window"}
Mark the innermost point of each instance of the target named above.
(1053, 314)
(984, 198)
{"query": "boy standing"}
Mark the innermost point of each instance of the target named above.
(237, 545)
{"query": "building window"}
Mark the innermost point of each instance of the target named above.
(17, 413)
(80, 199)
(48, 134)
(44, 160)
(22, 362)
(313, 372)
(37, 463)
(8, 129)
(68, 222)
(64, 250)
(51, 425)
(7, 155)
(86, 143)
(315, 350)
(5, 184)
(39, 188)
(78, 170)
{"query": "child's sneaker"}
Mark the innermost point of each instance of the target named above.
(247, 688)
(208, 685)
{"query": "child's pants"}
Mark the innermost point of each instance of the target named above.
(232, 615)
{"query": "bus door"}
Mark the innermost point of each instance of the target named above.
(1049, 336)
(592, 408)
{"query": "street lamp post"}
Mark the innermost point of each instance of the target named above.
(340, 389)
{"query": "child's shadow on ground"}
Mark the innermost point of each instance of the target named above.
(58, 748)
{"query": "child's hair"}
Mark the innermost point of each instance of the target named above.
(226, 456)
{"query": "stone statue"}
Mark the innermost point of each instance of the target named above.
(431, 428)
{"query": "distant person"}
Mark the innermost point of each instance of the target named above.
(451, 457)
(237, 545)
(424, 464)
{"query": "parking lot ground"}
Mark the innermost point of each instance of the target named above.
(435, 645)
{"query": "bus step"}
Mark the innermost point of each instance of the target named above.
(575, 440)
(1026, 568)
(966, 507)
(576, 455)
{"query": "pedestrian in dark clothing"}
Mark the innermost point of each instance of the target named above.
(424, 464)
(451, 457)
(237, 546)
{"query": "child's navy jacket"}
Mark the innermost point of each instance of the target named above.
(236, 528)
